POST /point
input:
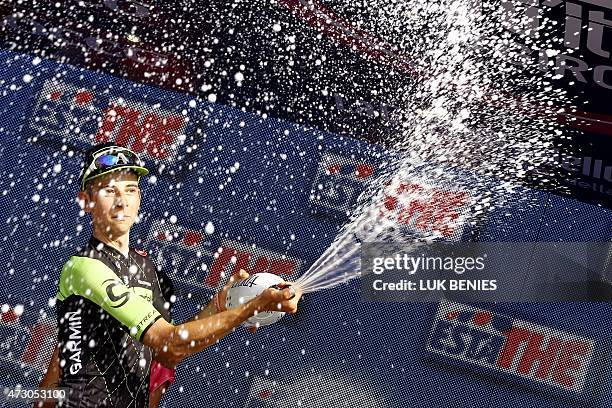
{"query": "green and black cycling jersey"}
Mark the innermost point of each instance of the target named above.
(105, 304)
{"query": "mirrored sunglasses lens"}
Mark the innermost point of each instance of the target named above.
(106, 160)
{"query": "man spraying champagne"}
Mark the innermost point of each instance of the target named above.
(113, 319)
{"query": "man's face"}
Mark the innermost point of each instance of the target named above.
(113, 200)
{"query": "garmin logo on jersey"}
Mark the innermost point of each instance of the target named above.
(73, 345)
(122, 297)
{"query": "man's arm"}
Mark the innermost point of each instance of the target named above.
(156, 395)
(217, 304)
(50, 380)
(174, 343)
(93, 280)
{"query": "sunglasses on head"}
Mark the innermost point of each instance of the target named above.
(110, 158)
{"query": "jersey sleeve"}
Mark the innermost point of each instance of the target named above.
(93, 280)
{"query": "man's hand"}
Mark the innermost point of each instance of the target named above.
(279, 300)
(290, 305)
(222, 295)
(172, 343)
(276, 302)
(288, 301)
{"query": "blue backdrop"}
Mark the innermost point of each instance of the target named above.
(276, 194)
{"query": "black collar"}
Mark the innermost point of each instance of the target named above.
(100, 246)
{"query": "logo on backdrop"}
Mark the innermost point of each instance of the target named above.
(72, 114)
(27, 341)
(199, 260)
(585, 27)
(421, 208)
(415, 206)
(501, 344)
(338, 183)
(587, 173)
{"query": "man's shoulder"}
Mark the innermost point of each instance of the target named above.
(87, 251)
(78, 264)
(75, 271)
(144, 257)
